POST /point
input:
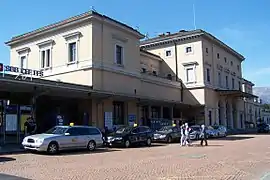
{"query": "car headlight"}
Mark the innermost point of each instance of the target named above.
(118, 138)
(40, 141)
(162, 136)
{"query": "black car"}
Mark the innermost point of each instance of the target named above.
(127, 136)
(167, 134)
(263, 128)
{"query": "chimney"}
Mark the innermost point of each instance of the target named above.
(182, 30)
(168, 33)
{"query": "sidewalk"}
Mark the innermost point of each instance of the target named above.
(11, 149)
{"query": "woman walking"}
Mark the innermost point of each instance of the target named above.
(182, 139)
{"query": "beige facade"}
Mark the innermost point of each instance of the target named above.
(211, 72)
(144, 78)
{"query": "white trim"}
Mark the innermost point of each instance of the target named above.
(72, 38)
(193, 67)
(74, 35)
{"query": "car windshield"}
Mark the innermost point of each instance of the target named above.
(210, 128)
(123, 130)
(166, 128)
(57, 130)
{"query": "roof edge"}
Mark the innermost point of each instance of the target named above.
(67, 22)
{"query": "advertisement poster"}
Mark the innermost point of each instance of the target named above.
(24, 117)
(131, 119)
(59, 120)
(11, 122)
(108, 120)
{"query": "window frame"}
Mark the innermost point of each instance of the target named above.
(45, 46)
(24, 52)
(69, 52)
(208, 75)
(168, 50)
(186, 49)
(122, 54)
(73, 38)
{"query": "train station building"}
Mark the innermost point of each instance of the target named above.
(91, 69)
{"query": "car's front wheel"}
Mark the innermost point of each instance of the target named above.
(53, 148)
(91, 146)
(127, 144)
(169, 139)
(148, 142)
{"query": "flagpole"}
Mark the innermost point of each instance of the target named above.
(194, 16)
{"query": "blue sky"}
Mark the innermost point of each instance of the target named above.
(242, 24)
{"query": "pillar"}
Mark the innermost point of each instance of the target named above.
(161, 111)
(171, 113)
(149, 112)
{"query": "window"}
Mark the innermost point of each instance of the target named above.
(73, 132)
(206, 50)
(210, 117)
(154, 73)
(231, 63)
(169, 76)
(225, 59)
(72, 52)
(168, 53)
(208, 75)
(219, 79)
(190, 74)
(232, 83)
(118, 113)
(188, 49)
(227, 83)
(238, 67)
(45, 58)
(239, 86)
(23, 62)
(93, 131)
(119, 55)
(218, 55)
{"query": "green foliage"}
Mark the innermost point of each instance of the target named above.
(266, 106)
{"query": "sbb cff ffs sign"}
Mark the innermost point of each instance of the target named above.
(6, 68)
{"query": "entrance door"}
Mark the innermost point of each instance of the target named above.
(11, 125)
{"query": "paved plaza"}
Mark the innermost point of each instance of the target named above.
(236, 157)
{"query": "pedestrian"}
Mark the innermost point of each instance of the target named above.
(203, 135)
(187, 131)
(182, 130)
(30, 126)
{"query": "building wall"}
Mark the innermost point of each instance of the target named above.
(221, 63)
(57, 43)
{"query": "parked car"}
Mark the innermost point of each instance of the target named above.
(211, 132)
(167, 134)
(64, 138)
(127, 136)
(195, 132)
(263, 128)
(221, 130)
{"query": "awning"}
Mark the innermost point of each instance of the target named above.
(235, 93)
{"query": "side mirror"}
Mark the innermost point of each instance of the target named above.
(67, 134)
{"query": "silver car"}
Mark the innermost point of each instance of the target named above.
(64, 138)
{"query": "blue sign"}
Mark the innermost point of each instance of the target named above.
(59, 120)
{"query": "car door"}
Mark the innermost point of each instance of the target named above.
(95, 134)
(175, 133)
(134, 137)
(143, 133)
(83, 137)
(73, 138)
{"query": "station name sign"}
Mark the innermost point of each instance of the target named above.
(7, 68)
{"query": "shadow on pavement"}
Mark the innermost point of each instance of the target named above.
(11, 177)
(77, 152)
(209, 145)
(153, 145)
(234, 138)
(6, 159)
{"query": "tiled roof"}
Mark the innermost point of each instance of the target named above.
(69, 20)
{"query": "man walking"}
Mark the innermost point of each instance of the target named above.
(182, 128)
(203, 135)
(187, 131)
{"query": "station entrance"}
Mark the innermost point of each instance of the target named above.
(49, 103)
